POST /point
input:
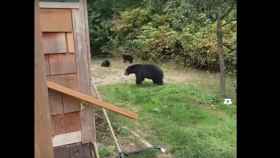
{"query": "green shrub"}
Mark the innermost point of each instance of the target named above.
(180, 31)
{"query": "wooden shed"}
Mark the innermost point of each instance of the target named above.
(65, 45)
(63, 126)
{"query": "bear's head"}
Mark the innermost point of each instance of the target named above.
(131, 69)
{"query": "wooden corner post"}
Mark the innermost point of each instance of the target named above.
(43, 140)
(88, 129)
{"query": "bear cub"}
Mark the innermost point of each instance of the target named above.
(127, 57)
(106, 63)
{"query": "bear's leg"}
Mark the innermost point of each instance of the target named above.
(139, 79)
(158, 82)
(131, 60)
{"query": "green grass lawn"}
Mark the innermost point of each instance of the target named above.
(190, 121)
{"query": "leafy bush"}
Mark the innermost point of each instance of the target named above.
(180, 31)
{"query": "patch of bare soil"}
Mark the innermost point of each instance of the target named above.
(115, 74)
(109, 75)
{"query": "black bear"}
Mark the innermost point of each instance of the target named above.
(143, 71)
(106, 63)
(127, 57)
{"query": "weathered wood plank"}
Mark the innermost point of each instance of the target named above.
(67, 80)
(61, 152)
(65, 123)
(76, 150)
(62, 64)
(81, 54)
(57, 124)
(87, 113)
(56, 20)
(43, 144)
(47, 65)
(92, 91)
(72, 122)
(88, 124)
(54, 42)
(86, 150)
(91, 100)
(59, 5)
(70, 42)
(55, 102)
(87, 38)
(70, 104)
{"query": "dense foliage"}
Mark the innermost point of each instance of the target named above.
(183, 31)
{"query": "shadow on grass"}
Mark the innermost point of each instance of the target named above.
(144, 154)
(145, 84)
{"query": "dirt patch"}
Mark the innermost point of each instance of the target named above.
(115, 74)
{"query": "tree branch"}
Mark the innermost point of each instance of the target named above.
(228, 11)
(231, 50)
(229, 22)
(228, 47)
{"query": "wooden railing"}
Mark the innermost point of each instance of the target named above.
(91, 100)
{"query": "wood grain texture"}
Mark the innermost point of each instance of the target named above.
(70, 104)
(87, 113)
(88, 124)
(81, 54)
(62, 64)
(65, 123)
(54, 42)
(56, 20)
(58, 124)
(70, 42)
(92, 92)
(47, 65)
(76, 150)
(59, 5)
(55, 102)
(43, 142)
(87, 39)
(72, 122)
(67, 80)
(61, 152)
(91, 100)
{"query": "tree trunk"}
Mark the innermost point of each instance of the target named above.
(221, 55)
(185, 61)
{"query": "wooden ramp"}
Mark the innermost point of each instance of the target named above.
(90, 99)
(76, 150)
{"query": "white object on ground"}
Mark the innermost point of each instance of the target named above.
(162, 150)
(227, 101)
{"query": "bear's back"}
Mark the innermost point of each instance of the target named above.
(151, 70)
